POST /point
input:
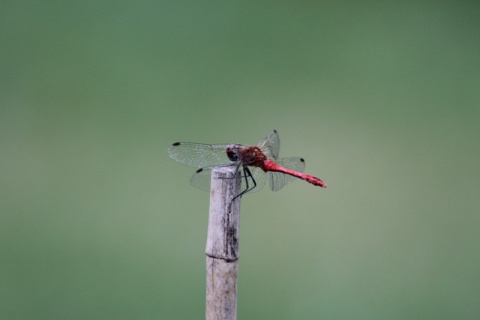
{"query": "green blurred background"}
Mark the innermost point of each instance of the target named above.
(381, 98)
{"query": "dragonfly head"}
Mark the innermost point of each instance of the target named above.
(233, 152)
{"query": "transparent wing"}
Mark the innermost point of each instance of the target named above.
(270, 145)
(199, 155)
(279, 180)
(201, 179)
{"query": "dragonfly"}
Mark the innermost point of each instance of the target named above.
(256, 164)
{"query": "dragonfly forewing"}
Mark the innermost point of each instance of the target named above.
(270, 145)
(199, 155)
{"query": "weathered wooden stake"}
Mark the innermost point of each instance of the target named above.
(223, 245)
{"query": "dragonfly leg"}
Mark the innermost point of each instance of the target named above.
(247, 175)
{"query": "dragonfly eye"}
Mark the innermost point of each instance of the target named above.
(232, 153)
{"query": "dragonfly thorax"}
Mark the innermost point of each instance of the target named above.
(248, 156)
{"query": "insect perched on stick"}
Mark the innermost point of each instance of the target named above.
(255, 163)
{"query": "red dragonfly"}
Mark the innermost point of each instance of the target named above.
(253, 161)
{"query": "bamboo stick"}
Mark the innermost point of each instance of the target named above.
(223, 245)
